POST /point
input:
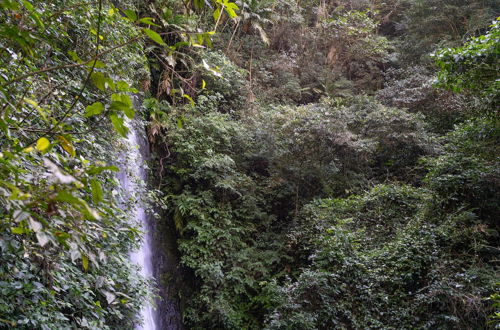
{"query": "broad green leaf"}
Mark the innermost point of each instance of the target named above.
(231, 12)
(124, 98)
(199, 4)
(74, 56)
(231, 5)
(180, 44)
(216, 14)
(10, 5)
(99, 80)
(207, 39)
(30, 101)
(67, 197)
(122, 86)
(131, 14)
(96, 64)
(98, 170)
(42, 144)
(149, 21)
(62, 236)
(17, 230)
(94, 109)
(97, 194)
(154, 36)
(119, 106)
(126, 109)
(79, 204)
(123, 102)
(118, 125)
(28, 5)
(109, 83)
(33, 13)
(129, 112)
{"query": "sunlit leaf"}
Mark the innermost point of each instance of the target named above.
(216, 14)
(94, 109)
(122, 86)
(148, 20)
(28, 5)
(123, 102)
(231, 12)
(17, 230)
(130, 14)
(118, 124)
(67, 146)
(42, 144)
(190, 99)
(85, 262)
(154, 36)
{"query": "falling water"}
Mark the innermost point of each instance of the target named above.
(133, 177)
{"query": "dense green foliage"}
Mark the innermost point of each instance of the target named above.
(474, 66)
(320, 167)
(321, 181)
(64, 237)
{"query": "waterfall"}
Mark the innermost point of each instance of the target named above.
(133, 177)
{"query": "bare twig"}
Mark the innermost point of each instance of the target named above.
(232, 36)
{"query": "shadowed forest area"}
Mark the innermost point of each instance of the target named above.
(312, 164)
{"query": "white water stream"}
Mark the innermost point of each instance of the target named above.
(133, 177)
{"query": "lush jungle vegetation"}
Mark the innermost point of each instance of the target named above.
(324, 164)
